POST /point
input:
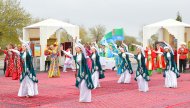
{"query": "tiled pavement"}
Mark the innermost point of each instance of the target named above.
(61, 93)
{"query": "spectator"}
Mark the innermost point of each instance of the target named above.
(47, 62)
(182, 51)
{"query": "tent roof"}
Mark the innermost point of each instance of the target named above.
(51, 23)
(168, 22)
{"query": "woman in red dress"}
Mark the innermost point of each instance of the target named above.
(17, 66)
(150, 56)
(10, 61)
(160, 61)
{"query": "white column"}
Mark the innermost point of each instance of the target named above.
(43, 44)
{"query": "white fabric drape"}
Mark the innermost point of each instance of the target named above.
(142, 84)
(28, 88)
(170, 79)
(95, 79)
(85, 93)
(125, 77)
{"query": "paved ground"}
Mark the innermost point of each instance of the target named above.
(61, 93)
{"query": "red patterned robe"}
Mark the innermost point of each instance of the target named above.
(17, 67)
(160, 61)
(150, 56)
(10, 63)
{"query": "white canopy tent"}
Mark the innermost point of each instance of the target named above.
(173, 27)
(44, 29)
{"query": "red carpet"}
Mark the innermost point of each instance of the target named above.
(61, 92)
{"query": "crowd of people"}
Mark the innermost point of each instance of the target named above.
(12, 62)
(89, 70)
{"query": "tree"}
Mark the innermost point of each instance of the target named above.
(97, 32)
(131, 40)
(179, 18)
(12, 19)
(84, 35)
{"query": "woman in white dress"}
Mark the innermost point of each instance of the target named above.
(83, 75)
(97, 72)
(141, 76)
(171, 72)
(28, 79)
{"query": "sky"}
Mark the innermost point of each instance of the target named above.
(131, 15)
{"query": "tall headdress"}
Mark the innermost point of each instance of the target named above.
(141, 48)
(26, 44)
(78, 44)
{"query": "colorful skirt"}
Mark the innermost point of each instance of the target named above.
(54, 70)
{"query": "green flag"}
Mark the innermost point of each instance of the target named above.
(108, 35)
(118, 34)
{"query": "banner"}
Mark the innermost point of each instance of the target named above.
(118, 34)
(114, 35)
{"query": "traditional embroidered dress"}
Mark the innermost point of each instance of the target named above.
(160, 62)
(150, 55)
(142, 76)
(126, 68)
(97, 72)
(54, 67)
(171, 73)
(84, 79)
(17, 67)
(28, 79)
(68, 61)
(10, 63)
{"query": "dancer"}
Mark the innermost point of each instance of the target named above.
(10, 61)
(150, 55)
(160, 61)
(88, 53)
(83, 75)
(116, 58)
(54, 67)
(17, 66)
(28, 79)
(141, 76)
(171, 72)
(124, 65)
(68, 61)
(97, 72)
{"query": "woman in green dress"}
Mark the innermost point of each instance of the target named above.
(83, 75)
(28, 79)
(142, 76)
(97, 72)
